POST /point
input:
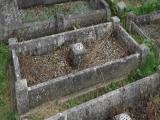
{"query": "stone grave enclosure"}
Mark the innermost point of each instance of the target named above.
(13, 25)
(100, 108)
(71, 52)
(146, 26)
(30, 95)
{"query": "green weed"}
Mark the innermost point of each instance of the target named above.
(5, 106)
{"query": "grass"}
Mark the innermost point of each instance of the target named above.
(146, 7)
(5, 103)
(139, 7)
(150, 66)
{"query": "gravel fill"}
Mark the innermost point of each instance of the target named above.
(37, 69)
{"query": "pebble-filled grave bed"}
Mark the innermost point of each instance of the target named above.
(38, 69)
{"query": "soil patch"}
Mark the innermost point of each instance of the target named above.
(37, 69)
(40, 13)
(146, 108)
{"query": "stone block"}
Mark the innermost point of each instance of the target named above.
(121, 7)
(144, 53)
(116, 21)
(12, 42)
(22, 101)
(107, 8)
(130, 18)
(16, 65)
(76, 53)
(60, 22)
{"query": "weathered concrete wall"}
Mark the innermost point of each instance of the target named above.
(9, 18)
(100, 108)
(46, 44)
(30, 3)
(91, 18)
(132, 45)
(35, 30)
(65, 85)
(143, 19)
(20, 88)
(125, 38)
(139, 31)
(106, 6)
(72, 83)
(12, 25)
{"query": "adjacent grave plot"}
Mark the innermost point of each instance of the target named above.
(152, 30)
(147, 26)
(122, 5)
(56, 17)
(111, 54)
(40, 13)
(147, 108)
(139, 99)
(139, 7)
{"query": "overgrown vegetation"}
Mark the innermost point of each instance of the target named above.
(146, 6)
(5, 105)
(139, 7)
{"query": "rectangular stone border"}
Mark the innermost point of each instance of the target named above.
(133, 23)
(101, 13)
(71, 83)
(30, 3)
(100, 108)
(142, 19)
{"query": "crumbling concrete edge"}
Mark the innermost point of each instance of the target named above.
(20, 85)
(141, 19)
(133, 23)
(100, 108)
(46, 44)
(129, 41)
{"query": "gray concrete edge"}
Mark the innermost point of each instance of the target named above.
(99, 108)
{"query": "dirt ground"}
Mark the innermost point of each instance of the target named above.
(37, 69)
(146, 108)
